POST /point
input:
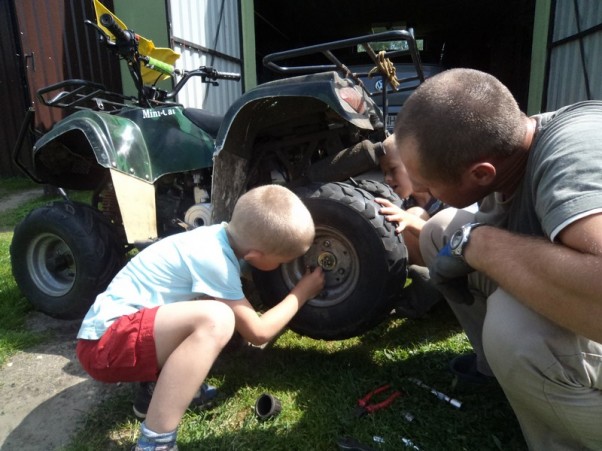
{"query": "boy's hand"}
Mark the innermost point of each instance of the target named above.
(393, 213)
(311, 284)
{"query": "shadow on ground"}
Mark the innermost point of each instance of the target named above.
(44, 393)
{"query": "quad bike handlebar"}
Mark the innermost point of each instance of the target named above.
(122, 37)
(126, 45)
(125, 40)
(208, 75)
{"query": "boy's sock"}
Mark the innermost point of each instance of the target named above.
(152, 441)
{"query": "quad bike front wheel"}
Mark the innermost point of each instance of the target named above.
(63, 255)
(363, 259)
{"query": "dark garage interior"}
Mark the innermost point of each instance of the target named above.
(490, 35)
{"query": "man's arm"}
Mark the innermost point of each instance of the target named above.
(561, 281)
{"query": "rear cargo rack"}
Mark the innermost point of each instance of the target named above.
(78, 94)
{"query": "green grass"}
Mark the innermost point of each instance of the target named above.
(12, 184)
(318, 383)
(8, 186)
(13, 306)
(9, 218)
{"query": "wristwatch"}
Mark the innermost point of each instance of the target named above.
(459, 240)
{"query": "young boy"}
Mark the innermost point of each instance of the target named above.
(417, 208)
(170, 311)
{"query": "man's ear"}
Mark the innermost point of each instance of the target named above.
(482, 173)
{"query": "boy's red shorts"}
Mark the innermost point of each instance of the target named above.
(125, 353)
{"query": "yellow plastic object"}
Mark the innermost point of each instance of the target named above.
(146, 47)
(101, 9)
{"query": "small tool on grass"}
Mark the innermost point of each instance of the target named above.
(364, 406)
(351, 444)
(442, 396)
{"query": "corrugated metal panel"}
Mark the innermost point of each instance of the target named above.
(566, 80)
(565, 24)
(593, 46)
(44, 43)
(63, 47)
(207, 33)
(564, 20)
(572, 70)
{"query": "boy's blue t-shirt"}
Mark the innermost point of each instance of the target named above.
(181, 267)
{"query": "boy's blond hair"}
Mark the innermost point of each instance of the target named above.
(273, 220)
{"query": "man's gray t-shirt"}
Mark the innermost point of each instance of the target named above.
(563, 177)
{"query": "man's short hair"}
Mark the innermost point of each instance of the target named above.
(273, 220)
(458, 117)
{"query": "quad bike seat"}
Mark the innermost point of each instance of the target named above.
(210, 122)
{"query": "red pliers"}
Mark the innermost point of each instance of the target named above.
(364, 406)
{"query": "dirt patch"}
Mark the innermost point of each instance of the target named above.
(44, 393)
(13, 200)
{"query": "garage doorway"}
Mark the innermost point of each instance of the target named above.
(493, 36)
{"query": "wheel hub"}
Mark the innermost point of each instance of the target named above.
(336, 255)
(51, 264)
(327, 261)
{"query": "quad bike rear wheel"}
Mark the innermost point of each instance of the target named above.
(365, 264)
(64, 254)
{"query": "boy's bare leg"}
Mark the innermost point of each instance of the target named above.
(413, 247)
(188, 337)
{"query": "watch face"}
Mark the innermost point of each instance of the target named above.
(456, 240)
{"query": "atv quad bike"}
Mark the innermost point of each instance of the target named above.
(158, 168)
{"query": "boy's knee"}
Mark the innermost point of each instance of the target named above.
(220, 320)
(226, 319)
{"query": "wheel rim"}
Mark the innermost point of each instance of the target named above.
(337, 256)
(51, 264)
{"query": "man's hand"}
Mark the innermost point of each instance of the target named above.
(449, 275)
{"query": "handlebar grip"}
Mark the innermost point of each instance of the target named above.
(107, 21)
(229, 76)
(159, 66)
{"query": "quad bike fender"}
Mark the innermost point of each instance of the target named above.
(70, 153)
(262, 108)
(138, 146)
(142, 143)
(76, 153)
(285, 100)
